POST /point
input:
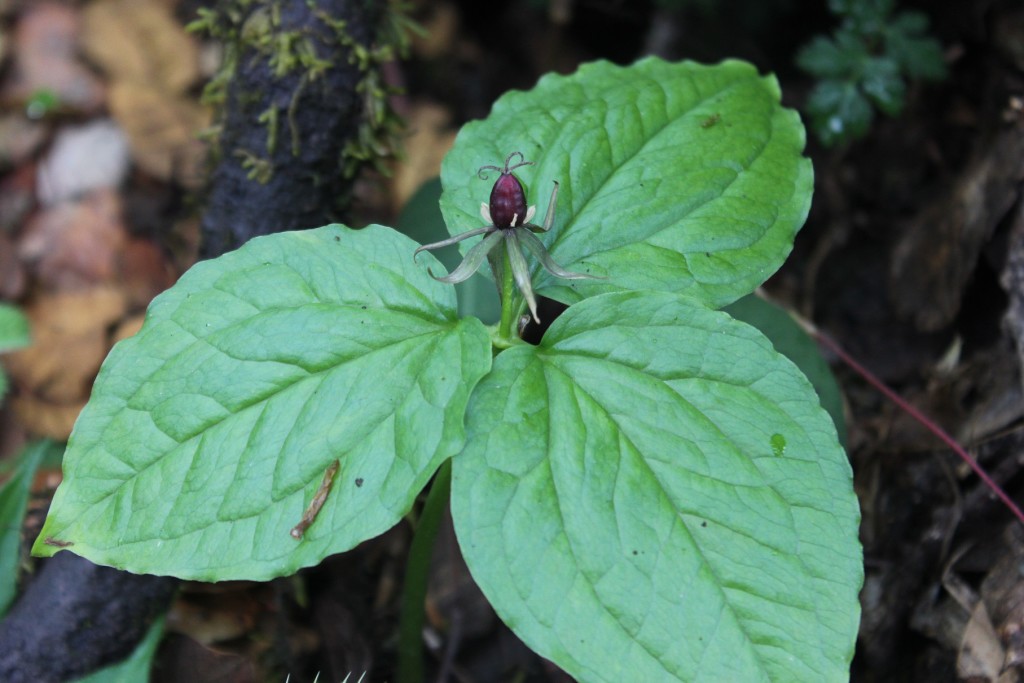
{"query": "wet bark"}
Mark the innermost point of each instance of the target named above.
(76, 617)
(303, 184)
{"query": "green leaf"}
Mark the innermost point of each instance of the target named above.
(839, 111)
(840, 58)
(823, 58)
(13, 501)
(673, 176)
(14, 329)
(791, 341)
(208, 432)
(654, 494)
(883, 84)
(918, 55)
(421, 220)
(137, 666)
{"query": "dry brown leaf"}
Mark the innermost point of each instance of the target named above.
(17, 198)
(162, 130)
(69, 341)
(430, 138)
(128, 328)
(75, 244)
(1003, 592)
(20, 138)
(140, 42)
(54, 374)
(981, 653)
(143, 272)
(44, 58)
(214, 618)
(440, 30)
(45, 419)
(12, 275)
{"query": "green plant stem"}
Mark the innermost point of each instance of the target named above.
(417, 573)
(509, 304)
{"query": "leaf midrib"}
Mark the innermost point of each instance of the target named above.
(309, 376)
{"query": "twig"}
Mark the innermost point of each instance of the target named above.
(309, 516)
(925, 421)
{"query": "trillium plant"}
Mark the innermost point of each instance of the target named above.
(651, 493)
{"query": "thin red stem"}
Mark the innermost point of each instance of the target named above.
(922, 418)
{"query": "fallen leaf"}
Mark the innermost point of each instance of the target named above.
(140, 42)
(213, 618)
(440, 30)
(20, 139)
(162, 130)
(430, 136)
(981, 653)
(182, 659)
(46, 419)
(143, 272)
(12, 274)
(128, 328)
(1003, 591)
(44, 58)
(70, 339)
(88, 157)
(75, 244)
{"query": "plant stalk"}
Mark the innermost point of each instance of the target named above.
(921, 418)
(507, 328)
(417, 574)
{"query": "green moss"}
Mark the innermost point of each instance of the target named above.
(255, 25)
(260, 169)
(269, 117)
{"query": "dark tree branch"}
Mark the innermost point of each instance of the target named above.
(76, 617)
(288, 175)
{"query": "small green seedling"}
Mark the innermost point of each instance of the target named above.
(866, 65)
(14, 334)
(651, 493)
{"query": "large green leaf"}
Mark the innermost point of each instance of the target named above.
(421, 220)
(208, 433)
(654, 494)
(791, 341)
(675, 177)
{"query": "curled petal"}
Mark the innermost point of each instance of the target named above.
(536, 248)
(452, 240)
(520, 271)
(474, 258)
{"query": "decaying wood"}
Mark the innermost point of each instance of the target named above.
(936, 257)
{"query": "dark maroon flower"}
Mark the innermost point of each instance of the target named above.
(506, 216)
